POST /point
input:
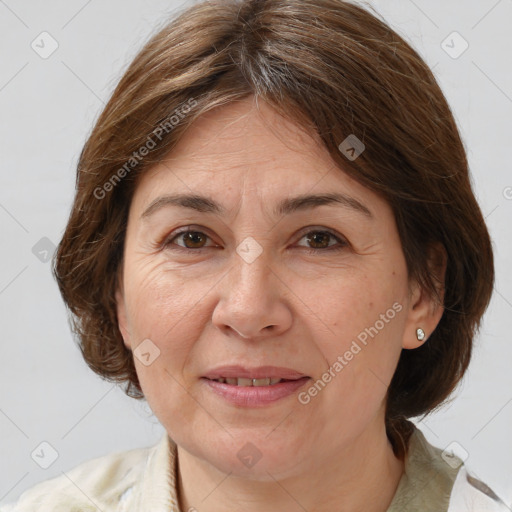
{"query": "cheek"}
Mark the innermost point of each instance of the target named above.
(161, 300)
(360, 320)
(169, 310)
(164, 310)
(344, 307)
(361, 350)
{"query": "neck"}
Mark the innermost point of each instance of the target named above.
(362, 476)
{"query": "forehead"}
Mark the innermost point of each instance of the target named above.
(247, 135)
(247, 149)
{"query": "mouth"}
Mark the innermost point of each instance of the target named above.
(237, 375)
(241, 381)
(253, 387)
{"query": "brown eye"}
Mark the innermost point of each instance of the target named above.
(190, 239)
(321, 240)
(317, 240)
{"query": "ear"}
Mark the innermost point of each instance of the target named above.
(121, 311)
(425, 311)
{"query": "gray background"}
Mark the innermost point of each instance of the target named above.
(48, 105)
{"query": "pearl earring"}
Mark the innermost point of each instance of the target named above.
(420, 334)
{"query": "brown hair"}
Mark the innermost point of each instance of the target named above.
(334, 68)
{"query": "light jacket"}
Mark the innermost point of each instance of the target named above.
(144, 480)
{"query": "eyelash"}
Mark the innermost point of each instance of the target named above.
(342, 243)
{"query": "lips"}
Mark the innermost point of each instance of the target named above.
(258, 376)
(253, 396)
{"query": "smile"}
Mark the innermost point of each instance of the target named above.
(245, 392)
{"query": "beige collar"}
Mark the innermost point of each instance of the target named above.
(428, 479)
(426, 484)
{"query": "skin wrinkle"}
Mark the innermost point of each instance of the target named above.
(211, 307)
(332, 453)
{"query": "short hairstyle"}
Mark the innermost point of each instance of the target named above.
(335, 69)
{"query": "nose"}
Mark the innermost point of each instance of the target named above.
(253, 300)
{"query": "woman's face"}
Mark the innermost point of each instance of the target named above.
(320, 288)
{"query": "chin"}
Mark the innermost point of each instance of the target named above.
(252, 454)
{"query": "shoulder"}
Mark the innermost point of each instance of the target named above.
(469, 494)
(96, 484)
(441, 479)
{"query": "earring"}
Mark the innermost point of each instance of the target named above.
(420, 334)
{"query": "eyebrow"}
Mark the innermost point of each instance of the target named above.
(287, 206)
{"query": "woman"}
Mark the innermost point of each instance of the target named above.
(274, 241)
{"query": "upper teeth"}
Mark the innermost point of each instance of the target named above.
(248, 382)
